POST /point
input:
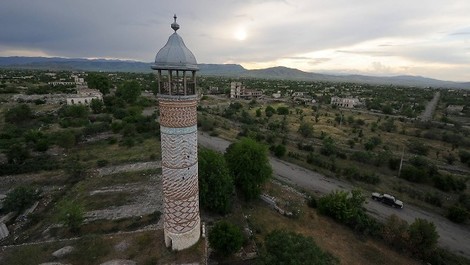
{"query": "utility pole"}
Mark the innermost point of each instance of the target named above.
(401, 161)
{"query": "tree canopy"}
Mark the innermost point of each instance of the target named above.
(225, 238)
(99, 81)
(306, 129)
(423, 238)
(129, 91)
(282, 247)
(71, 214)
(19, 114)
(248, 162)
(215, 182)
(20, 198)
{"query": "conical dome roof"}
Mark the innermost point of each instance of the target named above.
(175, 55)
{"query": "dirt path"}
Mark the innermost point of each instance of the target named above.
(430, 107)
(452, 236)
(139, 166)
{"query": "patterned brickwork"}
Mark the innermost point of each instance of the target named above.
(178, 130)
(181, 215)
(178, 114)
(179, 151)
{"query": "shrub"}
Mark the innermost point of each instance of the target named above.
(279, 150)
(395, 232)
(458, 214)
(418, 148)
(362, 156)
(423, 238)
(312, 202)
(347, 208)
(413, 174)
(433, 199)
(449, 183)
(225, 238)
(102, 162)
(464, 156)
(20, 198)
(282, 247)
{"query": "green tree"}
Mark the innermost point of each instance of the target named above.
(282, 110)
(71, 214)
(329, 147)
(285, 248)
(75, 169)
(96, 106)
(372, 143)
(347, 208)
(279, 150)
(418, 148)
(248, 162)
(306, 129)
(65, 139)
(215, 182)
(269, 111)
(225, 238)
(74, 111)
(395, 232)
(423, 238)
(258, 113)
(20, 198)
(19, 114)
(458, 214)
(129, 91)
(17, 154)
(99, 81)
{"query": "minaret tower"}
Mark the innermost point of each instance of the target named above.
(176, 69)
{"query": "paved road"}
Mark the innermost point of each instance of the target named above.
(430, 107)
(452, 236)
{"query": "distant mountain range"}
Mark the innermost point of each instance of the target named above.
(228, 70)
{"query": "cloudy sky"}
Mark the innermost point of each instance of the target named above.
(377, 37)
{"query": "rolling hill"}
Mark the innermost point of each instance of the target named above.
(228, 70)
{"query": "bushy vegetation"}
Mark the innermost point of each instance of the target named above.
(215, 182)
(20, 198)
(282, 247)
(418, 239)
(225, 238)
(347, 208)
(249, 165)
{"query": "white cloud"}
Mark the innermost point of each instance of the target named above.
(383, 37)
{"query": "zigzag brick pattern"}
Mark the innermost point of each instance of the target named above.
(177, 114)
(178, 120)
(179, 151)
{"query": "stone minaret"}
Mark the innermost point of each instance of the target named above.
(176, 69)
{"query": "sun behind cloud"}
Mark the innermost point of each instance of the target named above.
(240, 34)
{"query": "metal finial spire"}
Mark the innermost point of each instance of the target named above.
(175, 25)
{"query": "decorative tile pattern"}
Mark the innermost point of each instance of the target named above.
(179, 151)
(178, 114)
(178, 127)
(185, 130)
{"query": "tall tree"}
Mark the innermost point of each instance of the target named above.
(99, 81)
(129, 91)
(248, 162)
(96, 105)
(215, 182)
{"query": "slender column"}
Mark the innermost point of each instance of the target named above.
(184, 83)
